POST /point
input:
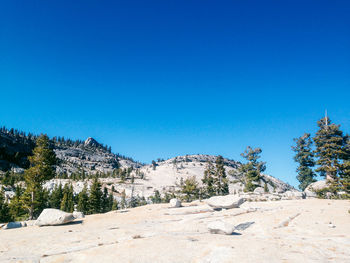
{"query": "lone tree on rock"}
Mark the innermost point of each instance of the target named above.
(41, 169)
(330, 142)
(305, 157)
(252, 170)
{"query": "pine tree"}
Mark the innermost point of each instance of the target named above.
(5, 215)
(67, 203)
(17, 210)
(41, 162)
(190, 189)
(305, 157)
(329, 141)
(252, 170)
(345, 168)
(156, 198)
(123, 203)
(208, 181)
(83, 201)
(56, 197)
(95, 198)
(104, 201)
(221, 182)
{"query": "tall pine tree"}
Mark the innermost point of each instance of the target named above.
(95, 198)
(40, 169)
(5, 215)
(83, 201)
(330, 142)
(252, 170)
(67, 203)
(208, 181)
(305, 157)
(221, 181)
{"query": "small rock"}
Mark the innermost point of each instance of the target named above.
(227, 201)
(175, 203)
(220, 227)
(78, 215)
(52, 217)
(330, 225)
(12, 225)
(259, 190)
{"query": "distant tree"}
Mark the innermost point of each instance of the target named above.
(17, 210)
(5, 215)
(40, 170)
(221, 182)
(304, 156)
(56, 197)
(252, 170)
(105, 201)
(67, 203)
(190, 189)
(156, 198)
(123, 203)
(209, 181)
(83, 201)
(154, 165)
(95, 198)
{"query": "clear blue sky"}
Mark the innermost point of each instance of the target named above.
(165, 78)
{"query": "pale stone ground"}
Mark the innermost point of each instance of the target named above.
(155, 233)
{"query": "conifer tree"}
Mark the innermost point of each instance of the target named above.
(345, 168)
(123, 203)
(104, 201)
(221, 182)
(208, 181)
(252, 170)
(156, 198)
(305, 157)
(17, 210)
(67, 203)
(190, 189)
(83, 201)
(5, 215)
(56, 197)
(95, 198)
(330, 142)
(40, 169)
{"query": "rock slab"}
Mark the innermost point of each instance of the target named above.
(53, 217)
(225, 202)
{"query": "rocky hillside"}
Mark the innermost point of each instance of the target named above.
(88, 155)
(92, 157)
(167, 175)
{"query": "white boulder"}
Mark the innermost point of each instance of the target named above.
(220, 227)
(53, 217)
(225, 202)
(175, 203)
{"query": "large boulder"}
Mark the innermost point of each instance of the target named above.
(226, 201)
(53, 217)
(310, 191)
(174, 203)
(220, 227)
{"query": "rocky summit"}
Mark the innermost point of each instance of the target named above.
(310, 230)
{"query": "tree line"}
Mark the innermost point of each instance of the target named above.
(326, 154)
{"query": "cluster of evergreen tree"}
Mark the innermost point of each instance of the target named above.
(330, 155)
